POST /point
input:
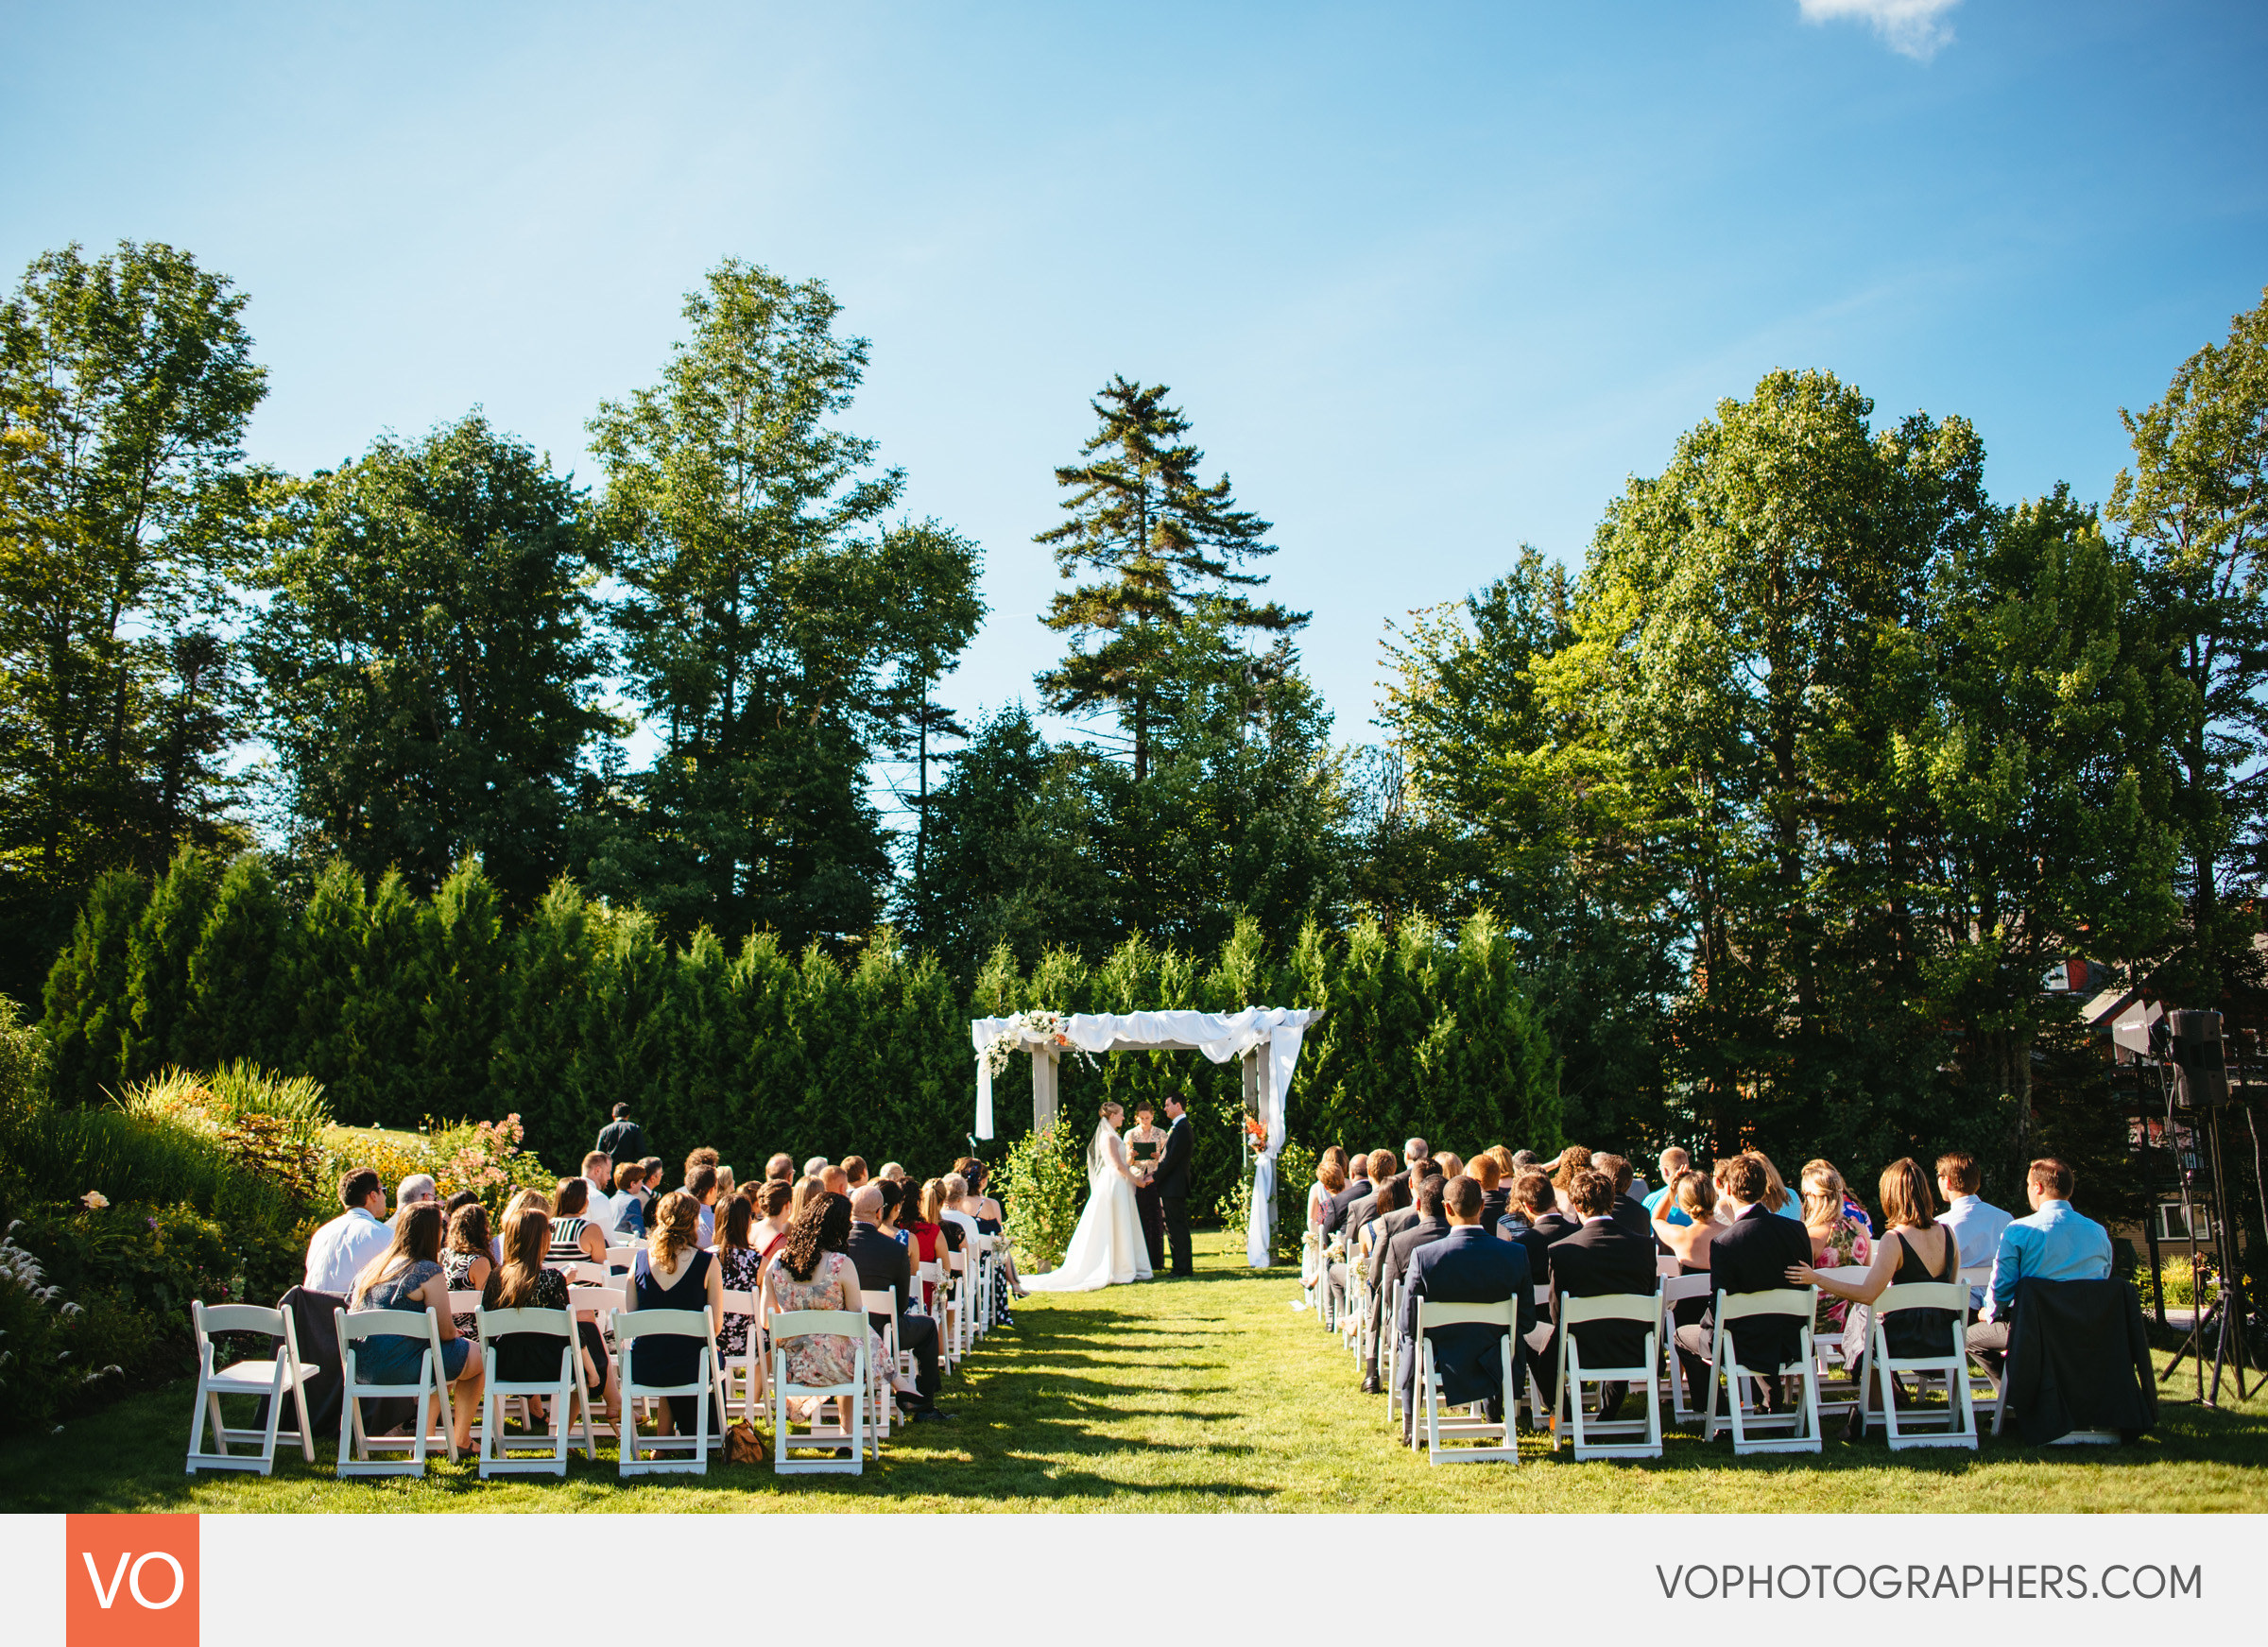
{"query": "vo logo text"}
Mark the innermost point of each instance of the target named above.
(131, 1581)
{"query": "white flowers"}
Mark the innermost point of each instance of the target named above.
(1024, 1029)
(94, 1200)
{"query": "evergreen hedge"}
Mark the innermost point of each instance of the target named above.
(409, 1009)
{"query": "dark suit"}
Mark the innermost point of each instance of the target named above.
(1335, 1220)
(1172, 1180)
(1601, 1259)
(1632, 1218)
(1466, 1266)
(881, 1263)
(1389, 1263)
(1752, 1255)
(1495, 1204)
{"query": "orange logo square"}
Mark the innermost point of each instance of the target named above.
(130, 1581)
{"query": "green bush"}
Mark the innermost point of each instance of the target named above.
(1042, 1189)
(59, 1356)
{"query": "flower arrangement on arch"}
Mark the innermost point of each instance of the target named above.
(1023, 1029)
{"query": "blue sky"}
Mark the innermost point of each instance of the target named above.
(1430, 280)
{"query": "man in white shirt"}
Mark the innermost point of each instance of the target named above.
(1976, 1223)
(598, 1172)
(344, 1246)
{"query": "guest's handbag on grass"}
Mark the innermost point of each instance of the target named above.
(741, 1444)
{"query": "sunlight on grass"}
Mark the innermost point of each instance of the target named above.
(1210, 1394)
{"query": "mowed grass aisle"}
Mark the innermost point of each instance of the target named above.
(1204, 1394)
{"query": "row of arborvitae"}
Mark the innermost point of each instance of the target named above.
(406, 1008)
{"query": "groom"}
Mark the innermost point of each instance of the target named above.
(1172, 1180)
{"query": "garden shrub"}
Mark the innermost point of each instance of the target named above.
(1042, 1188)
(1294, 1172)
(58, 1355)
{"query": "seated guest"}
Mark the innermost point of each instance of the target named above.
(1975, 1222)
(626, 1208)
(835, 1181)
(1600, 1259)
(1496, 1195)
(574, 1237)
(1413, 1151)
(467, 1260)
(1358, 1185)
(923, 1224)
(957, 1207)
(854, 1171)
(671, 1271)
(813, 1272)
(780, 1169)
(523, 1281)
(1916, 1248)
(1672, 1163)
(416, 1187)
(1628, 1214)
(1524, 1161)
(883, 1265)
(893, 1209)
(1778, 1198)
(2054, 1244)
(770, 1200)
(817, 1165)
(340, 1249)
(1750, 1254)
(1331, 1178)
(890, 1171)
(1573, 1159)
(739, 1255)
(649, 1191)
(700, 1184)
(1363, 1207)
(1689, 1241)
(408, 1276)
(1451, 1164)
(598, 1172)
(726, 1185)
(1466, 1266)
(1841, 1236)
(1426, 1224)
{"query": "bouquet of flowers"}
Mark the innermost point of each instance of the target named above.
(1023, 1028)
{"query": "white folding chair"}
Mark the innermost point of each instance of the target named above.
(1828, 1353)
(849, 1437)
(929, 1283)
(618, 1259)
(880, 1395)
(629, 1327)
(958, 1294)
(1572, 1375)
(1667, 1264)
(1676, 1290)
(1804, 1432)
(1473, 1424)
(1978, 1277)
(586, 1274)
(1539, 1336)
(1389, 1344)
(566, 1394)
(357, 1449)
(284, 1371)
(744, 1373)
(1958, 1423)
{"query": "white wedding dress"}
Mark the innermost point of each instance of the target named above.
(1108, 1249)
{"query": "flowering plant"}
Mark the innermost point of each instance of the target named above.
(1038, 1025)
(94, 1200)
(1256, 1133)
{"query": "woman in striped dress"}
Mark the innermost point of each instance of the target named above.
(575, 1236)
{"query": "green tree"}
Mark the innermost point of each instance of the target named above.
(160, 1003)
(774, 631)
(460, 986)
(89, 1011)
(429, 661)
(124, 385)
(2194, 510)
(1012, 856)
(1159, 541)
(240, 971)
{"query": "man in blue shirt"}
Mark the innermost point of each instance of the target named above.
(1673, 1160)
(1975, 1222)
(2056, 1244)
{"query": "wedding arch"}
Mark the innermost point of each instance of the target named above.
(1264, 1039)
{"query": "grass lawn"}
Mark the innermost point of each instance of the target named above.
(1209, 1393)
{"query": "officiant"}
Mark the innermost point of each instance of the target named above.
(1146, 1142)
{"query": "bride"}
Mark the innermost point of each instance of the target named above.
(1108, 1248)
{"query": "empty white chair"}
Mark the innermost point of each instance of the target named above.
(1473, 1424)
(357, 1449)
(565, 1392)
(618, 1258)
(743, 1373)
(629, 1327)
(849, 1437)
(1541, 1335)
(1804, 1434)
(880, 1398)
(1957, 1425)
(1572, 1375)
(283, 1372)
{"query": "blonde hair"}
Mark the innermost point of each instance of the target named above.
(677, 1225)
(956, 1188)
(1825, 1200)
(932, 1200)
(1111, 1107)
(1695, 1195)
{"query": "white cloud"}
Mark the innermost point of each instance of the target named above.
(1912, 26)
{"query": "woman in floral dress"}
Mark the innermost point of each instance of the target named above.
(813, 1272)
(1839, 1235)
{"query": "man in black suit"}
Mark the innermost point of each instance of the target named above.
(1466, 1266)
(1599, 1260)
(1631, 1216)
(1359, 1209)
(1358, 1185)
(881, 1264)
(1751, 1255)
(1416, 1155)
(1172, 1180)
(1403, 1234)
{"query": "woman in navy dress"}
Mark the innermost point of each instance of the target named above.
(671, 1271)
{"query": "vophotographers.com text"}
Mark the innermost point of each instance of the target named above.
(1892, 1581)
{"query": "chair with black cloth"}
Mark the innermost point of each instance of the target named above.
(2078, 1367)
